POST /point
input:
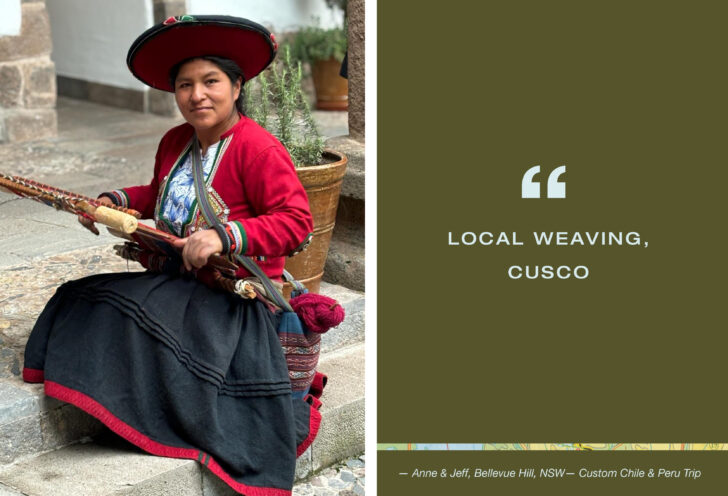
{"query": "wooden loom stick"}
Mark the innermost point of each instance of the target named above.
(92, 201)
(118, 219)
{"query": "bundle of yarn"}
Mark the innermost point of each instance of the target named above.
(319, 313)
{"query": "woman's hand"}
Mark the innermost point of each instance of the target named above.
(197, 248)
(88, 223)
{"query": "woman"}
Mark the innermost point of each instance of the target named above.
(171, 365)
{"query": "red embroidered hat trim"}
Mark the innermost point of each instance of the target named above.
(161, 47)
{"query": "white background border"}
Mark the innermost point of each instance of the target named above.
(370, 395)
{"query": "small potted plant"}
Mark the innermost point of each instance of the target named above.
(324, 50)
(276, 101)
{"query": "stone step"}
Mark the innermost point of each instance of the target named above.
(108, 466)
(30, 422)
(345, 263)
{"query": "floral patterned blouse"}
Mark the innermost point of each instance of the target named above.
(177, 207)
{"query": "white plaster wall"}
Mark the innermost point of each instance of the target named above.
(277, 15)
(91, 38)
(10, 18)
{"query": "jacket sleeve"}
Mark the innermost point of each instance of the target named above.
(283, 222)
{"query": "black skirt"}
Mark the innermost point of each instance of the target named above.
(179, 370)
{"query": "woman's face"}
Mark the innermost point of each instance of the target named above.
(205, 95)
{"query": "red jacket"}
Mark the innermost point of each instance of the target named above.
(255, 191)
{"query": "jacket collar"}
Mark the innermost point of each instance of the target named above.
(237, 127)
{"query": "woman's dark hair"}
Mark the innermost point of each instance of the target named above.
(229, 67)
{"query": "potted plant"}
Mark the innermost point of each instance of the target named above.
(278, 103)
(324, 50)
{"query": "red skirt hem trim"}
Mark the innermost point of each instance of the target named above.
(96, 409)
(33, 375)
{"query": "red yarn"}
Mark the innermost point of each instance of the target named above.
(319, 313)
(318, 384)
(313, 401)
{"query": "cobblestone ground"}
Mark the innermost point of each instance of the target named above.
(345, 479)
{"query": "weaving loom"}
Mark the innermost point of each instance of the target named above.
(149, 246)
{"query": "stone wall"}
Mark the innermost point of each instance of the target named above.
(28, 78)
(346, 260)
(356, 69)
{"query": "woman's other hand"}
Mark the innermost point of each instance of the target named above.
(88, 223)
(197, 248)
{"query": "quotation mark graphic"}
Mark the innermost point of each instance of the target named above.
(554, 189)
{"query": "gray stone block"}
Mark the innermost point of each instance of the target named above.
(9, 362)
(11, 81)
(341, 294)
(324, 491)
(345, 264)
(338, 484)
(39, 100)
(41, 76)
(7, 260)
(46, 402)
(182, 481)
(342, 428)
(353, 185)
(8, 491)
(35, 35)
(16, 403)
(304, 465)
(342, 436)
(303, 490)
(20, 437)
(39, 90)
(352, 329)
(66, 424)
(24, 124)
(347, 475)
(359, 489)
(95, 470)
(356, 46)
(32, 422)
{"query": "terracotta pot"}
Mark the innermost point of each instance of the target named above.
(323, 185)
(332, 90)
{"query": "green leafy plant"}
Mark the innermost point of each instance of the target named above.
(314, 43)
(278, 103)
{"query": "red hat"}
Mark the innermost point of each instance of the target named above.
(161, 47)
